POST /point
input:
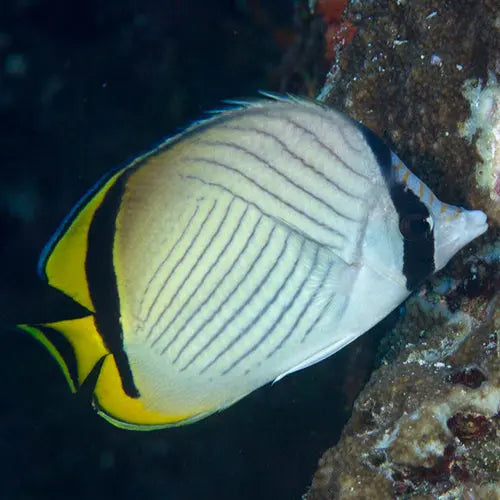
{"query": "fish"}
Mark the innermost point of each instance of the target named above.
(253, 244)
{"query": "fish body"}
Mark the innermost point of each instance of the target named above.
(252, 245)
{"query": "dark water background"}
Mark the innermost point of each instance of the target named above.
(84, 87)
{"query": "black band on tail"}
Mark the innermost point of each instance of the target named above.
(65, 350)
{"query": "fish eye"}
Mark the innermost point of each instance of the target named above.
(416, 227)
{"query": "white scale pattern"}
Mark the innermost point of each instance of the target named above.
(249, 280)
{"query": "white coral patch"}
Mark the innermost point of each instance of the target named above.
(485, 119)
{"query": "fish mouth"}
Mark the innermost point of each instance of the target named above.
(476, 224)
(452, 235)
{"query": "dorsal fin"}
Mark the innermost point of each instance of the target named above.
(62, 262)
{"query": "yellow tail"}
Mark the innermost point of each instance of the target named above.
(75, 344)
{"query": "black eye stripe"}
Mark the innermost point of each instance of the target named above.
(418, 237)
(415, 226)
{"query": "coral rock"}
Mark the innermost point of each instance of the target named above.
(427, 425)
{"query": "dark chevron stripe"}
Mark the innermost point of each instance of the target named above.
(259, 315)
(177, 264)
(162, 263)
(304, 309)
(101, 279)
(191, 270)
(318, 318)
(207, 272)
(327, 148)
(342, 132)
(219, 283)
(295, 156)
(209, 342)
(265, 190)
(251, 203)
(267, 164)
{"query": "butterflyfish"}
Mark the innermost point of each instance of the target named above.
(252, 245)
